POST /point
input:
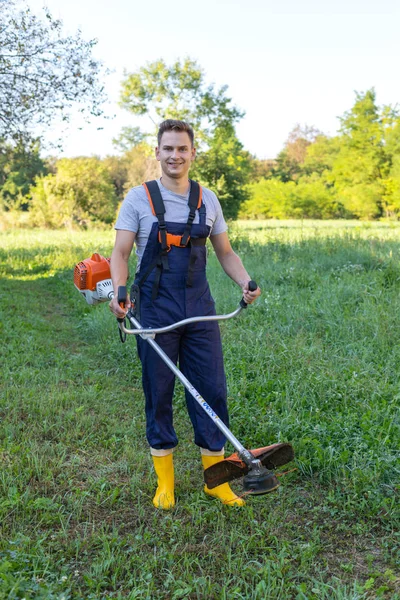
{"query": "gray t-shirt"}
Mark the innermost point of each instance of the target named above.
(135, 213)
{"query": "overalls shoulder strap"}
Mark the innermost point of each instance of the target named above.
(157, 208)
(195, 200)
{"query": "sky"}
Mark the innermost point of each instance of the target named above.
(284, 61)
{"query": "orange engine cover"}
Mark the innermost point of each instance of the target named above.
(90, 271)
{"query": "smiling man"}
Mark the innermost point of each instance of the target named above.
(169, 220)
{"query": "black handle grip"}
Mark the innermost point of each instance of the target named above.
(252, 288)
(121, 299)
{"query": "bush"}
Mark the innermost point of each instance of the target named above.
(274, 199)
(80, 192)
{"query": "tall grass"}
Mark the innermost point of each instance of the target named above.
(315, 362)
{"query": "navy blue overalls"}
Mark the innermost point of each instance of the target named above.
(181, 291)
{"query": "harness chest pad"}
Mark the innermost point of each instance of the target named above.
(168, 239)
(158, 209)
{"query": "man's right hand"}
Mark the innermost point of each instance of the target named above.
(117, 310)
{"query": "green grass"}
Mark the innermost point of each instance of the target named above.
(314, 362)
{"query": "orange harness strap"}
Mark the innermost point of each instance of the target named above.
(173, 240)
(149, 198)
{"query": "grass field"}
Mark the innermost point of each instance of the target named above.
(315, 362)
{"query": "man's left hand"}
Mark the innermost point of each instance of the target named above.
(248, 296)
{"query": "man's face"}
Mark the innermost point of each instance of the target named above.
(175, 154)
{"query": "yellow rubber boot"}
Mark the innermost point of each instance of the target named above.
(164, 467)
(222, 492)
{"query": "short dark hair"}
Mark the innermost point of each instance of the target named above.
(175, 125)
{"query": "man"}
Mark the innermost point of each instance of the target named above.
(171, 275)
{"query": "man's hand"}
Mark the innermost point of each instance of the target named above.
(117, 310)
(248, 296)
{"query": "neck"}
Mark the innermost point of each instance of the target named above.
(178, 186)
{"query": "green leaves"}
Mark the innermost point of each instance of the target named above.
(178, 91)
(19, 165)
(354, 174)
(225, 167)
(362, 160)
(79, 192)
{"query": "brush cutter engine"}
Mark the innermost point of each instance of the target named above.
(92, 279)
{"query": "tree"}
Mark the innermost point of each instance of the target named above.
(79, 192)
(274, 199)
(117, 169)
(43, 74)
(353, 174)
(312, 199)
(141, 165)
(225, 167)
(262, 168)
(19, 166)
(391, 197)
(290, 160)
(178, 91)
(362, 162)
(300, 138)
(128, 138)
(320, 156)
(268, 199)
(132, 168)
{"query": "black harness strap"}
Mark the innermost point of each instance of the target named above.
(159, 209)
(195, 242)
(193, 203)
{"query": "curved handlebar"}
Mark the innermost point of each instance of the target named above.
(148, 332)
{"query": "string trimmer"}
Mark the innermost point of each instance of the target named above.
(92, 279)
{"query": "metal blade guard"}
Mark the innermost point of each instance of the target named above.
(233, 467)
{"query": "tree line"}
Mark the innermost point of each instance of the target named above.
(43, 75)
(355, 174)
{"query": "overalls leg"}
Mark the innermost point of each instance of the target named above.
(201, 361)
(158, 385)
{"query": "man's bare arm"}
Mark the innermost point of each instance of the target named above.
(119, 266)
(233, 266)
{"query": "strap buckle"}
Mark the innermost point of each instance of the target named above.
(173, 240)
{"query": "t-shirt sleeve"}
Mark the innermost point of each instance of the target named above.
(219, 225)
(128, 217)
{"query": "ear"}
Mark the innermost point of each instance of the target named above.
(157, 153)
(193, 156)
